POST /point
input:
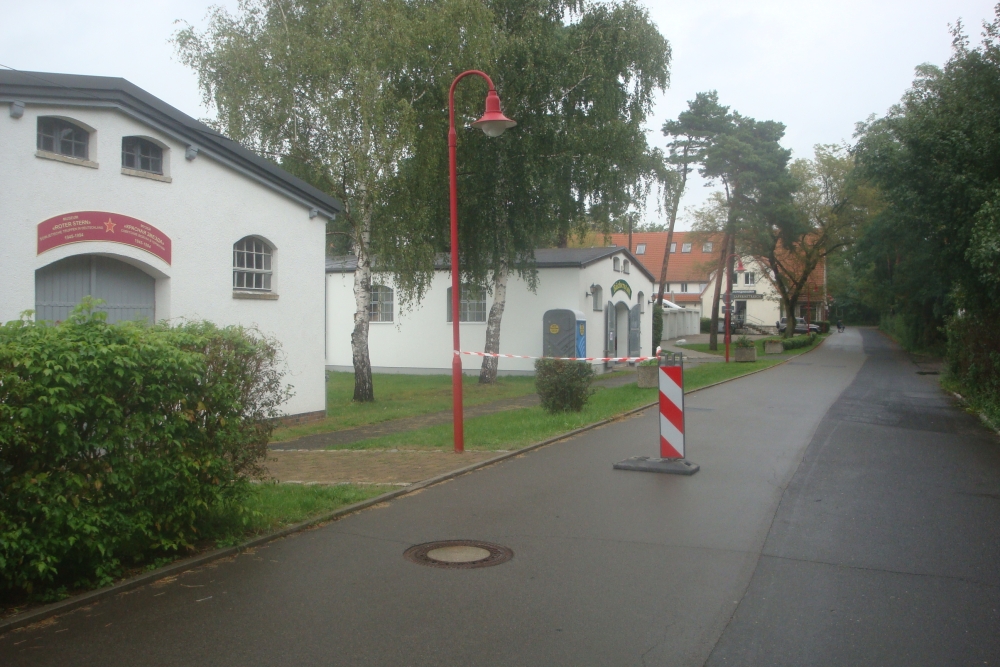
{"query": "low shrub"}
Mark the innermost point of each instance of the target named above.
(117, 440)
(974, 360)
(744, 342)
(706, 325)
(804, 340)
(563, 386)
(824, 326)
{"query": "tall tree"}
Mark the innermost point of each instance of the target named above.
(828, 209)
(579, 78)
(691, 135)
(326, 87)
(752, 168)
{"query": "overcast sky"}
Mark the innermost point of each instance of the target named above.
(817, 66)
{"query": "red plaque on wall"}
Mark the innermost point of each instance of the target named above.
(83, 226)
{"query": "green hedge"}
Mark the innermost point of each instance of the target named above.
(657, 325)
(117, 441)
(563, 386)
(706, 325)
(798, 341)
(974, 360)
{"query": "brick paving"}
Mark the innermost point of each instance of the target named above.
(367, 466)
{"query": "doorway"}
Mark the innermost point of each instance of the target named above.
(621, 329)
(127, 292)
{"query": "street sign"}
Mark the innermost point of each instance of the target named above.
(726, 309)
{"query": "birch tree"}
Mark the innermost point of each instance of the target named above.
(329, 89)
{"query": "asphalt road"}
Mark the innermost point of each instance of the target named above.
(845, 514)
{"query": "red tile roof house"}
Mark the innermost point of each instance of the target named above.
(690, 278)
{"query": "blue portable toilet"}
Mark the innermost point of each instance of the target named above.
(564, 333)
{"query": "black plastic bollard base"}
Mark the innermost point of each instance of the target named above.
(647, 464)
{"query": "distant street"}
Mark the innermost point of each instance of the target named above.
(845, 514)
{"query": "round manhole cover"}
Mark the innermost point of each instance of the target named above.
(458, 554)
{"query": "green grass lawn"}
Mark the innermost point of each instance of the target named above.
(272, 506)
(400, 396)
(513, 429)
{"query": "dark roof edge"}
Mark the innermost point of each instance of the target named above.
(112, 92)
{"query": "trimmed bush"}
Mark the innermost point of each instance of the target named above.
(706, 325)
(563, 386)
(824, 326)
(804, 340)
(118, 440)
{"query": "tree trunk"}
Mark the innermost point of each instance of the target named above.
(713, 336)
(364, 391)
(676, 204)
(488, 373)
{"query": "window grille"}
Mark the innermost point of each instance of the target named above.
(56, 135)
(142, 155)
(251, 265)
(472, 307)
(380, 309)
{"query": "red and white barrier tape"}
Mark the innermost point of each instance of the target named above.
(521, 356)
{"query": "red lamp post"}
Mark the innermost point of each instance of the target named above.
(493, 123)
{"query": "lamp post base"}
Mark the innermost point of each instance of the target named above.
(649, 464)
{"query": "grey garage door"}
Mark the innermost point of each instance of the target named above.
(127, 292)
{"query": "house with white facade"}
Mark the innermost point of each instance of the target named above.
(110, 192)
(608, 288)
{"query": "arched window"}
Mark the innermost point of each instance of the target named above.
(616, 264)
(625, 266)
(142, 155)
(56, 135)
(598, 295)
(380, 309)
(472, 307)
(252, 265)
(642, 302)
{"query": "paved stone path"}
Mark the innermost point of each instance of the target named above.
(366, 466)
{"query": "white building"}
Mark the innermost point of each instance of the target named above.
(110, 192)
(607, 285)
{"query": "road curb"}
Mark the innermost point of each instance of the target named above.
(84, 599)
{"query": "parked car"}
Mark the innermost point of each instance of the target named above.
(800, 326)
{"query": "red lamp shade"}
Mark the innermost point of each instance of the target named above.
(493, 123)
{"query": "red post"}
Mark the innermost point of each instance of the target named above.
(488, 123)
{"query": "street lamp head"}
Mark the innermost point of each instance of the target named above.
(493, 123)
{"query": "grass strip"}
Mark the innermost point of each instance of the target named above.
(272, 506)
(398, 396)
(514, 429)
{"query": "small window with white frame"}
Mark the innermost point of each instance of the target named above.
(748, 278)
(252, 266)
(642, 302)
(380, 308)
(616, 264)
(685, 247)
(673, 247)
(60, 136)
(598, 294)
(142, 154)
(706, 247)
(684, 287)
(640, 249)
(625, 265)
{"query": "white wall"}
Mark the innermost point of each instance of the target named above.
(421, 340)
(765, 311)
(204, 210)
